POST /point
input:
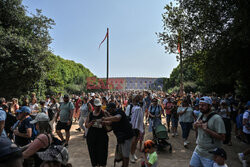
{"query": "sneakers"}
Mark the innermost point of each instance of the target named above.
(186, 143)
(176, 134)
(241, 157)
(78, 129)
(173, 134)
(133, 158)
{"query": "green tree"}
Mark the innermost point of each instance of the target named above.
(24, 43)
(216, 40)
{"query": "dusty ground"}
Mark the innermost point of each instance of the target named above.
(180, 156)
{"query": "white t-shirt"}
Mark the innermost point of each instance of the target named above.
(223, 112)
(34, 107)
(216, 165)
(246, 116)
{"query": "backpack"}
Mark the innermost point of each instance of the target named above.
(208, 117)
(154, 109)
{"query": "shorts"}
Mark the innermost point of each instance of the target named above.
(126, 147)
(174, 122)
(198, 161)
(62, 125)
(168, 118)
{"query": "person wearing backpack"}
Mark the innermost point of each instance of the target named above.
(43, 140)
(155, 111)
(23, 131)
(65, 121)
(211, 134)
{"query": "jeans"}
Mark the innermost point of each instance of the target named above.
(82, 120)
(198, 161)
(185, 126)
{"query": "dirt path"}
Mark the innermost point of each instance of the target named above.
(180, 156)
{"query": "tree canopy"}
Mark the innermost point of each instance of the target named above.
(215, 39)
(26, 63)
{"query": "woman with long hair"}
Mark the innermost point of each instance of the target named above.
(43, 140)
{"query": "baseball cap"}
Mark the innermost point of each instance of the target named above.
(24, 109)
(8, 149)
(55, 153)
(206, 99)
(219, 151)
(92, 94)
(41, 117)
(97, 102)
(66, 96)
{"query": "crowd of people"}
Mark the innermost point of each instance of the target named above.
(31, 131)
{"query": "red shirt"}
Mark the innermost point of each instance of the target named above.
(169, 105)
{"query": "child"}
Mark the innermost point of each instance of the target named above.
(150, 154)
(219, 157)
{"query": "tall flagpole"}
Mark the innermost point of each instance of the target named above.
(108, 58)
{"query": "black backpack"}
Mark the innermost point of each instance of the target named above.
(208, 117)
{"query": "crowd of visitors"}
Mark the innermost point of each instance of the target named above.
(28, 128)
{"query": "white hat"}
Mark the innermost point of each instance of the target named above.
(97, 102)
(92, 94)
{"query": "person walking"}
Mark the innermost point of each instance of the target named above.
(122, 130)
(211, 133)
(97, 138)
(186, 119)
(65, 121)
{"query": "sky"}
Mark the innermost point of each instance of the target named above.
(81, 25)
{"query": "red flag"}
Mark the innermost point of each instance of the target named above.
(179, 45)
(103, 39)
(178, 48)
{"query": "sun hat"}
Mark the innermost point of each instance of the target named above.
(97, 102)
(41, 117)
(55, 153)
(206, 99)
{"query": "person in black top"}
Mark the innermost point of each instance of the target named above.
(23, 133)
(97, 138)
(122, 130)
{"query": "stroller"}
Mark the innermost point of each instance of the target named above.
(160, 137)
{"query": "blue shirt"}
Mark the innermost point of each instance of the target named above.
(3, 118)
